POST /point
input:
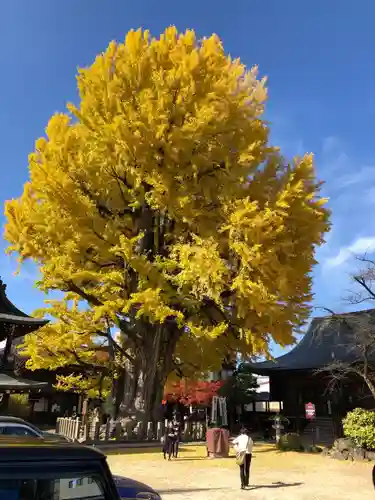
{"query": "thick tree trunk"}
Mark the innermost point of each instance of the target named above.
(151, 371)
(152, 397)
(131, 394)
(157, 345)
(141, 395)
(145, 392)
(117, 394)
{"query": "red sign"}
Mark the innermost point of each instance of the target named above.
(310, 411)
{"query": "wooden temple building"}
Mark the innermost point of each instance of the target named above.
(45, 403)
(301, 376)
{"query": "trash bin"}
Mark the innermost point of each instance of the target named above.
(217, 443)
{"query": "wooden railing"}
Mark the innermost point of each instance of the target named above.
(76, 429)
(69, 427)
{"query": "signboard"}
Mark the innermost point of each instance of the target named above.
(310, 411)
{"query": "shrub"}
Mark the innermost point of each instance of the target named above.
(290, 442)
(19, 405)
(359, 425)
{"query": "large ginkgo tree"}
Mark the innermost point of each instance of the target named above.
(159, 207)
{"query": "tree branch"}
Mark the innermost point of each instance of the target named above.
(362, 282)
(212, 170)
(91, 299)
(91, 366)
(101, 207)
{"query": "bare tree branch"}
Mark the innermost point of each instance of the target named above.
(356, 340)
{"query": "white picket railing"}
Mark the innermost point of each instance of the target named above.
(69, 427)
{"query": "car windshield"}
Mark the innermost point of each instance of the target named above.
(17, 430)
(12, 423)
(82, 487)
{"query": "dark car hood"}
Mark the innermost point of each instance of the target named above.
(129, 486)
(54, 436)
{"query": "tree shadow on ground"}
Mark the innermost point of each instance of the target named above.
(188, 490)
(208, 459)
(265, 450)
(279, 484)
(197, 490)
(140, 450)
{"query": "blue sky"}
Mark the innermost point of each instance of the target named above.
(317, 55)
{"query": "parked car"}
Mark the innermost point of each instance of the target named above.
(31, 469)
(129, 488)
(14, 426)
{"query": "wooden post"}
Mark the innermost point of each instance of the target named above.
(71, 428)
(187, 431)
(139, 430)
(194, 433)
(200, 431)
(149, 431)
(85, 419)
(118, 433)
(78, 427)
(96, 431)
(159, 431)
(107, 429)
(92, 429)
(86, 430)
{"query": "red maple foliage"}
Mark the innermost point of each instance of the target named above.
(192, 392)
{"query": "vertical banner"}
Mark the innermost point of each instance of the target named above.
(214, 409)
(224, 412)
(220, 400)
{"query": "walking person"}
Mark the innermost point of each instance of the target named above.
(177, 431)
(169, 441)
(243, 446)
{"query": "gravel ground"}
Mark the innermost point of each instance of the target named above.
(274, 476)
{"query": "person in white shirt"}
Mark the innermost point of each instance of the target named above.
(243, 446)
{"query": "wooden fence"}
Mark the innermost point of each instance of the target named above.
(76, 429)
(69, 427)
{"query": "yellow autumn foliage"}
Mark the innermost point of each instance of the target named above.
(160, 198)
(92, 387)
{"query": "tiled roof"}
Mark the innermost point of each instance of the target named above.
(11, 315)
(11, 382)
(327, 339)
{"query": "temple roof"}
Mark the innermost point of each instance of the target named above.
(11, 315)
(18, 384)
(326, 340)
